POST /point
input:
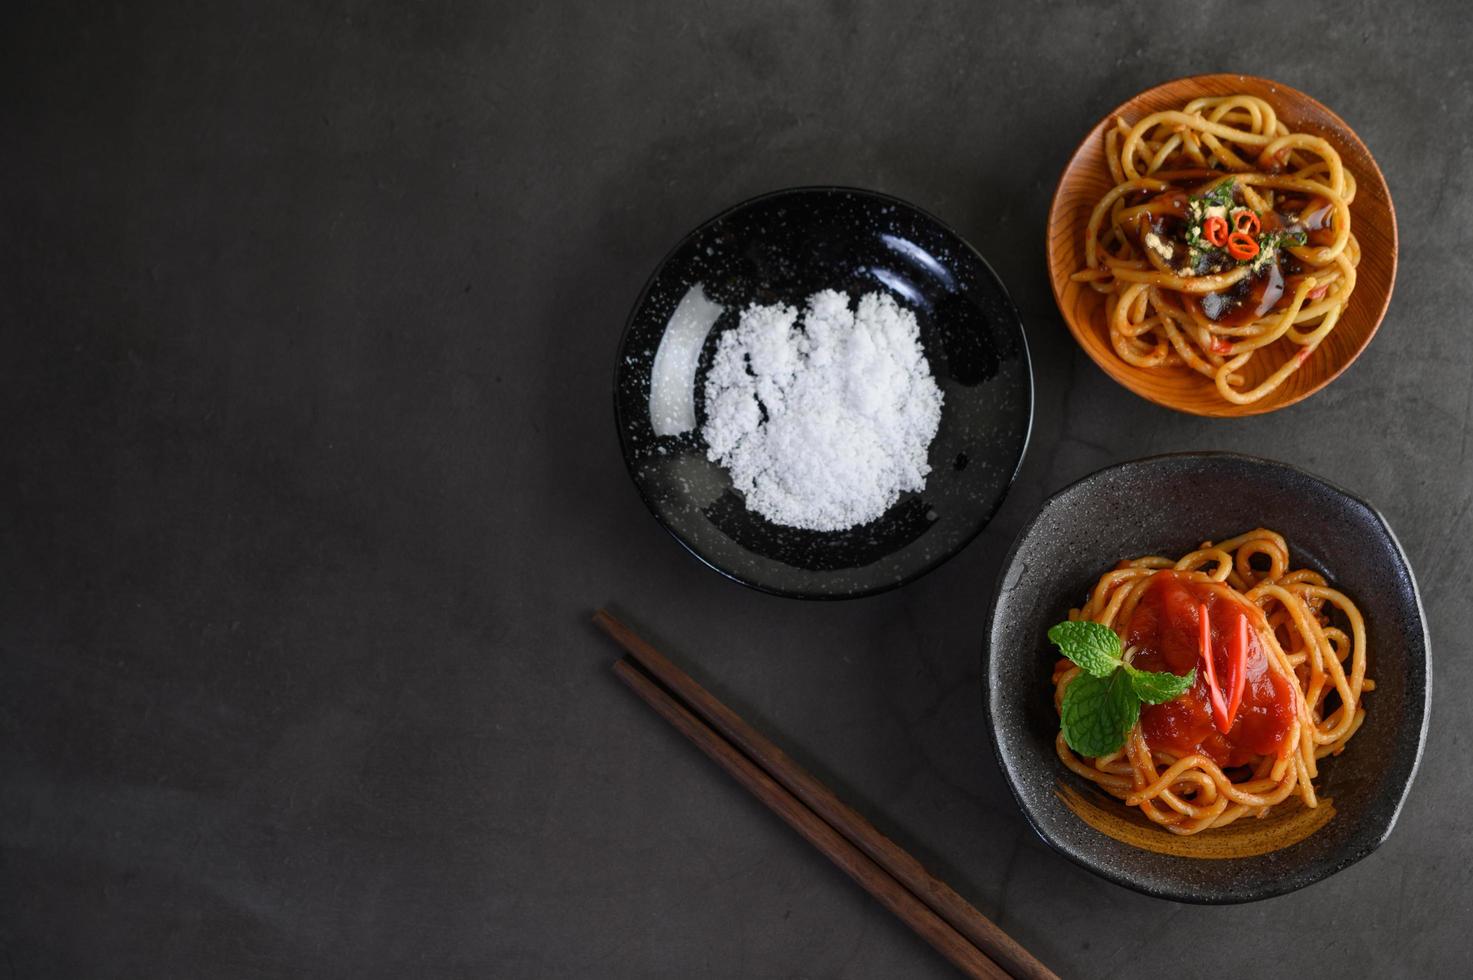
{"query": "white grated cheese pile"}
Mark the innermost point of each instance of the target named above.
(824, 420)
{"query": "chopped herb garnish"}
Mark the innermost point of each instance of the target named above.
(1221, 195)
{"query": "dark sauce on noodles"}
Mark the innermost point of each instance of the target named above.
(1273, 286)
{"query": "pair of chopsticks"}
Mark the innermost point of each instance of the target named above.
(929, 906)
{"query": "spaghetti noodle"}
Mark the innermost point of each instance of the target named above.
(1226, 235)
(1300, 667)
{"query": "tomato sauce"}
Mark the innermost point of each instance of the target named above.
(1167, 632)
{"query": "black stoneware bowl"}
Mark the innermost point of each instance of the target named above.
(1168, 505)
(782, 247)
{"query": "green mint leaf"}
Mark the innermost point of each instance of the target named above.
(1160, 686)
(1098, 712)
(1095, 648)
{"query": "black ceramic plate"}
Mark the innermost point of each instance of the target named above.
(1168, 505)
(783, 247)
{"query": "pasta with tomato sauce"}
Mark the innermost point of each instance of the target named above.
(1280, 670)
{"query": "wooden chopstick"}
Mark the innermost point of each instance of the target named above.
(891, 894)
(854, 828)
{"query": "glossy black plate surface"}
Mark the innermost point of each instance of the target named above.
(782, 247)
(1168, 505)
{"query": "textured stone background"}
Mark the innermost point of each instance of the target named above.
(308, 315)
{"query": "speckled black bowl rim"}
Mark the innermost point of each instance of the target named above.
(1268, 889)
(984, 518)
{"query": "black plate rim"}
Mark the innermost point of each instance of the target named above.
(1254, 891)
(934, 563)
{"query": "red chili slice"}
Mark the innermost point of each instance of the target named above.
(1215, 230)
(1246, 221)
(1238, 672)
(1241, 246)
(1214, 693)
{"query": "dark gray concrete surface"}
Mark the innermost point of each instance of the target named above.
(307, 325)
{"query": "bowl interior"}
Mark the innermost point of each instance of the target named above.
(1086, 179)
(782, 248)
(1169, 505)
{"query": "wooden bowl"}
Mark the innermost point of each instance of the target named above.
(1087, 178)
